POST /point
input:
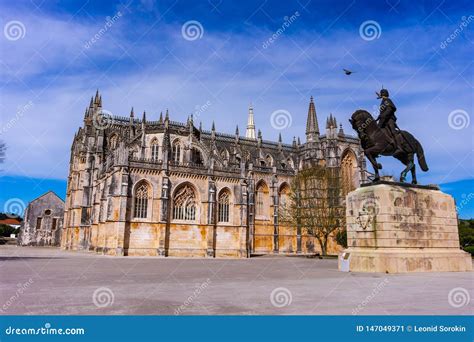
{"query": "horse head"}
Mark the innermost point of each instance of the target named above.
(360, 120)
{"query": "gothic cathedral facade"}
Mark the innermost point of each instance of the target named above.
(166, 188)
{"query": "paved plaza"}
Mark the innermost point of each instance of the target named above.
(35, 280)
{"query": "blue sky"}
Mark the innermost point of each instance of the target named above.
(421, 51)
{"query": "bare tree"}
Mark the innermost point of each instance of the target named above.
(317, 203)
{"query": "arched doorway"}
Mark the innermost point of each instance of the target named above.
(349, 172)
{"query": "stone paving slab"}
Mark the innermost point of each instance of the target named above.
(43, 281)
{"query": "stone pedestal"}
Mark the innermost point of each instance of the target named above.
(396, 228)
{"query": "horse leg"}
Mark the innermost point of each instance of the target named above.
(374, 163)
(413, 169)
(413, 174)
(409, 165)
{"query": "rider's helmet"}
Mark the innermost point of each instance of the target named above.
(383, 92)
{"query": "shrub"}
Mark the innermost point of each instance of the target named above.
(466, 233)
(341, 237)
(6, 230)
(469, 249)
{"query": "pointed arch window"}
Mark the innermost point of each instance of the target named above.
(176, 152)
(113, 142)
(260, 199)
(141, 200)
(349, 172)
(154, 150)
(184, 204)
(284, 195)
(223, 206)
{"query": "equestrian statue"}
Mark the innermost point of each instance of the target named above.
(382, 137)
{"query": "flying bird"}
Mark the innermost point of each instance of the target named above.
(347, 72)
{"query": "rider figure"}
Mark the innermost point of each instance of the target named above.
(387, 119)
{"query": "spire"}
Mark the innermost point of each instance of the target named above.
(131, 130)
(100, 101)
(213, 131)
(167, 120)
(312, 127)
(341, 131)
(160, 120)
(237, 138)
(294, 141)
(279, 138)
(143, 132)
(250, 124)
(331, 121)
(91, 105)
(96, 99)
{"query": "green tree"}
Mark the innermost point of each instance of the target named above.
(466, 234)
(6, 230)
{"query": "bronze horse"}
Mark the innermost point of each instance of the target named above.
(376, 142)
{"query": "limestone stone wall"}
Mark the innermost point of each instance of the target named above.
(401, 228)
(43, 222)
(388, 216)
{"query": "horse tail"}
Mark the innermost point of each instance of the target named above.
(421, 156)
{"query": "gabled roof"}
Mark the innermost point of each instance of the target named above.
(10, 221)
(50, 191)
